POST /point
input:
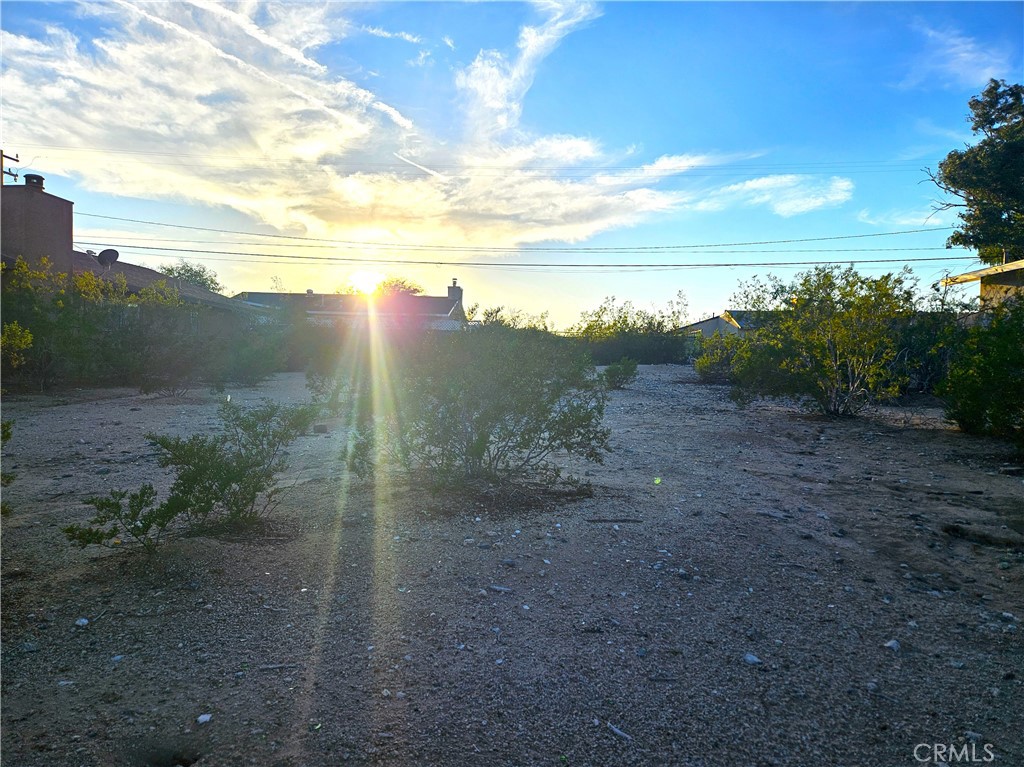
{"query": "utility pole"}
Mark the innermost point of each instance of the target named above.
(3, 171)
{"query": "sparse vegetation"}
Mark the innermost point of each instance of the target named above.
(222, 481)
(717, 354)
(620, 374)
(492, 403)
(832, 342)
(613, 331)
(984, 391)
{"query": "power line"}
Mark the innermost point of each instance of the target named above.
(493, 249)
(529, 266)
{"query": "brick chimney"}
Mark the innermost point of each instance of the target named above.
(455, 292)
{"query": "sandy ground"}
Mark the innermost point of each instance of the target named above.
(735, 613)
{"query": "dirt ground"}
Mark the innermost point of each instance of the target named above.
(728, 596)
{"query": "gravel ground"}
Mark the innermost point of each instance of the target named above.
(744, 587)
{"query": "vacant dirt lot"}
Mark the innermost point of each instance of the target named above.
(736, 612)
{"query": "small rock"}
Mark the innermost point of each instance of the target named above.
(893, 644)
(500, 589)
(117, 659)
(29, 647)
(972, 736)
(204, 718)
(82, 622)
(1008, 617)
(752, 659)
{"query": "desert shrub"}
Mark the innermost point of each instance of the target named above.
(831, 341)
(113, 523)
(6, 477)
(494, 402)
(613, 331)
(221, 481)
(245, 354)
(984, 391)
(620, 374)
(928, 338)
(715, 361)
(15, 341)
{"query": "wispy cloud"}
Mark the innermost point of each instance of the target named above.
(380, 32)
(950, 57)
(448, 41)
(785, 195)
(922, 217)
(496, 84)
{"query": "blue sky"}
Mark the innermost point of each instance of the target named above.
(504, 134)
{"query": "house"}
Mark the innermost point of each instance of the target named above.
(37, 225)
(729, 322)
(998, 283)
(444, 313)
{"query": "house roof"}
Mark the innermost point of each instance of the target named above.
(347, 304)
(979, 273)
(749, 319)
(138, 277)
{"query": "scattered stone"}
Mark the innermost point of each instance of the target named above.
(204, 718)
(29, 647)
(974, 737)
(893, 644)
(81, 622)
(619, 732)
(508, 562)
(500, 589)
(751, 659)
(1008, 617)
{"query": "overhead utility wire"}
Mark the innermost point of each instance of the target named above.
(283, 259)
(289, 245)
(491, 249)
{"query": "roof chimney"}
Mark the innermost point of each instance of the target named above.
(34, 180)
(454, 291)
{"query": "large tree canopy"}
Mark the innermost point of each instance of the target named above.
(197, 274)
(988, 178)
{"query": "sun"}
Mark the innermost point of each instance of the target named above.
(366, 282)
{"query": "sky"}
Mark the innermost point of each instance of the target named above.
(547, 155)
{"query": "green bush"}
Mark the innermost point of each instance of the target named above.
(717, 353)
(494, 402)
(830, 342)
(620, 374)
(613, 331)
(984, 391)
(6, 477)
(220, 482)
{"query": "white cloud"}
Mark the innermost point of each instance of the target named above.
(785, 195)
(495, 85)
(225, 110)
(448, 41)
(952, 58)
(379, 32)
(921, 218)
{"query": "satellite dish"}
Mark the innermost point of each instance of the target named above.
(107, 257)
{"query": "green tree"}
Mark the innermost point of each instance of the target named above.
(988, 178)
(399, 286)
(196, 274)
(831, 338)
